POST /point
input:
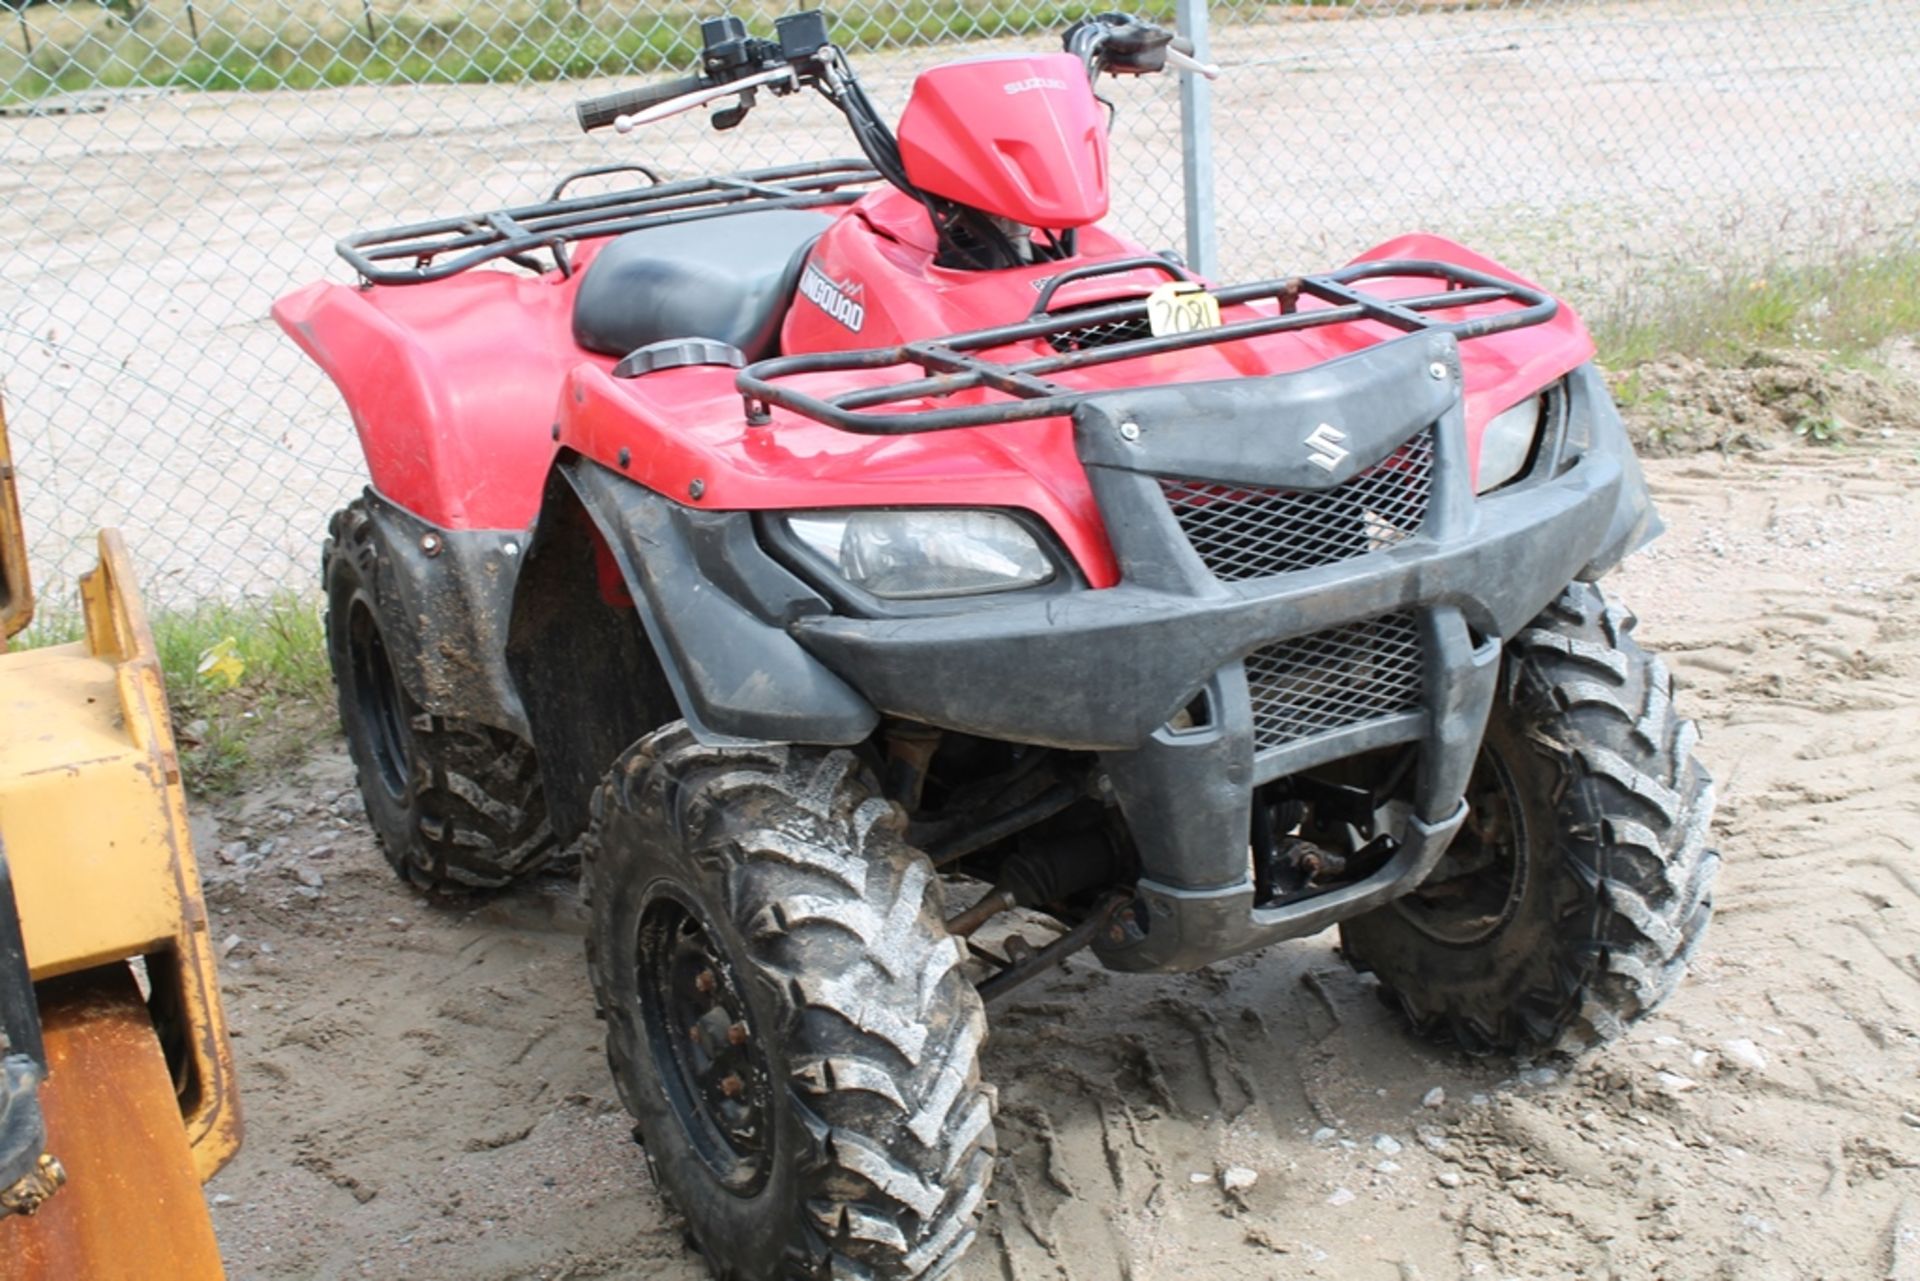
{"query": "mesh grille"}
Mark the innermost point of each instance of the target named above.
(1333, 679)
(1114, 331)
(1243, 532)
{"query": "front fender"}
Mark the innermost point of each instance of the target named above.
(1497, 371)
(692, 625)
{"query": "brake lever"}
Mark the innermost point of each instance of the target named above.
(700, 98)
(1191, 65)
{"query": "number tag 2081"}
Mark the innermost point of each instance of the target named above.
(1180, 307)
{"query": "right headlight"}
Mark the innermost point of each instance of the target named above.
(1507, 442)
(915, 554)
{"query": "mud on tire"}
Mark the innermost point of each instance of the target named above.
(1606, 888)
(456, 804)
(787, 1018)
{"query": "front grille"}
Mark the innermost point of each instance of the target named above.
(1114, 331)
(1332, 679)
(1243, 531)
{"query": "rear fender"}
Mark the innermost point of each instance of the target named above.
(445, 595)
(693, 627)
(450, 385)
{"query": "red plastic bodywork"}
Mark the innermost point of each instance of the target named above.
(460, 389)
(1022, 137)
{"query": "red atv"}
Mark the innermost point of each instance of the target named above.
(784, 541)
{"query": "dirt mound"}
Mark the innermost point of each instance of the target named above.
(1681, 405)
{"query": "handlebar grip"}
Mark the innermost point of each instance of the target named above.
(598, 113)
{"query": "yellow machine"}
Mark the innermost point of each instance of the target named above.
(117, 1095)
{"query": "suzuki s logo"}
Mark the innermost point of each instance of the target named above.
(1034, 82)
(832, 297)
(1323, 447)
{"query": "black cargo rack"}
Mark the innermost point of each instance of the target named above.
(518, 234)
(950, 365)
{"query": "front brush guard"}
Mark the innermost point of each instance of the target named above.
(1108, 670)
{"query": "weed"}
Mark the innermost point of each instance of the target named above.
(1822, 429)
(1848, 304)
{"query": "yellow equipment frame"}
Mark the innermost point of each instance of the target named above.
(93, 823)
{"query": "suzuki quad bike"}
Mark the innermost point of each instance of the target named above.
(799, 546)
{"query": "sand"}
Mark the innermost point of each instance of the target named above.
(426, 1094)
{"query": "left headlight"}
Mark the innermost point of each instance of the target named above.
(925, 552)
(1507, 443)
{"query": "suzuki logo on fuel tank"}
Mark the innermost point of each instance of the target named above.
(832, 297)
(1323, 447)
(1035, 82)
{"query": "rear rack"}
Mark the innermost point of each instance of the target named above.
(950, 365)
(518, 234)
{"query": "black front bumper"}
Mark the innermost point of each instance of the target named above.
(1108, 670)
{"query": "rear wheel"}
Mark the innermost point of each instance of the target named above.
(787, 1018)
(1581, 883)
(456, 804)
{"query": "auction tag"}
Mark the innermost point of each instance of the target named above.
(1180, 307)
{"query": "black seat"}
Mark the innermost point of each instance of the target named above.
(729, 279)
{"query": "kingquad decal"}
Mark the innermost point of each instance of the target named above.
(832, 297)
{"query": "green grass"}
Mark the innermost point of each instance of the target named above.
(1849, 306)
(230, 731)
(227, 45)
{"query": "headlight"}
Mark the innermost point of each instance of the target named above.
(910, 555)
(1507, 442)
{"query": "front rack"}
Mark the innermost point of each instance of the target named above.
(950, 364)
(447, 246)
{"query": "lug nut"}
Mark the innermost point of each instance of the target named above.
(737, 1034)
(731, 1086)
(703, 982)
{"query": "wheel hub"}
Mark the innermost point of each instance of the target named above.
(1480, 880)
(705, 1047)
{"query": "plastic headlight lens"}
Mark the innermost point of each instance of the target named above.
(911, 555)
(1507, 442)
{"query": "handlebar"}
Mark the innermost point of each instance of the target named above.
(779, 79)
(736, 63)
(598, 113)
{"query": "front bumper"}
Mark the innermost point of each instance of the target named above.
(1108, 670)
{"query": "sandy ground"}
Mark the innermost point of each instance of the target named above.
(426, 1096)
(1599, 146)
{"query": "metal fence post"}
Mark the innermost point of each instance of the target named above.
(1196, 144)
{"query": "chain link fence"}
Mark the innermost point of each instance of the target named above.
(168, 168)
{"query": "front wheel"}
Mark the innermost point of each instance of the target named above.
(787, 1018)
(1581, 883)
